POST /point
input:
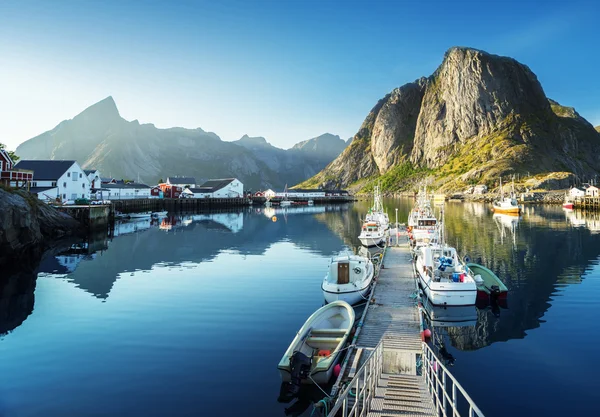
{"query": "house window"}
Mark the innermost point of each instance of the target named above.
(64, 184)
(64, 196)
(54, 183)
(34, 184)
(82, 195)
(68, 174)
(83, 186)
(73, 196)
(80, 175)
(74, 176)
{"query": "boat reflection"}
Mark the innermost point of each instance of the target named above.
(451, 316)
(507, 223)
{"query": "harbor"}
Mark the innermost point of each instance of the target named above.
(174, 273)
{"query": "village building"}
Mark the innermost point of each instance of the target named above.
(183, 182)
(62, 181)
(217, 188)
(94, 177)
(121, 190)
(9, 175)
(592, 191)
(304, 193)
(576, 192)
(170, 191)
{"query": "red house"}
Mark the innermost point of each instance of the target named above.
(10, 176)
(170, 191)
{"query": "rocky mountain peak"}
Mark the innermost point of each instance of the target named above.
(103, 110)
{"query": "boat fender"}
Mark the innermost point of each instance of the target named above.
(325, 353)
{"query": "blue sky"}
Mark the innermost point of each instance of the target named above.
(284, 70)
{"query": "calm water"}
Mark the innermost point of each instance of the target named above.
(190, 316)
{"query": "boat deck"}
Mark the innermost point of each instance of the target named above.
(393, 317)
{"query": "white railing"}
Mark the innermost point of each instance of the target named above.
(355, 399)
(447, 394)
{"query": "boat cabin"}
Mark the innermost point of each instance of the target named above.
(442, 265)
(370, 227)
(426, 222)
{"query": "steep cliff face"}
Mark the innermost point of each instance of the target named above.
(477, 117)
(26, 224)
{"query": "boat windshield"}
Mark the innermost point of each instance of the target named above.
(427, 222)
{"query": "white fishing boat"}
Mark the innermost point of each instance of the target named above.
(285, 202)
(372, 234)
(317, 347)
(142, 215)
(376, 213)
(348, 278)
(444, 278)
(508, 204)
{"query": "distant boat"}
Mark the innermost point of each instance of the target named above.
(159, 214)
(376, 213)
(489, 286)
(372, 234)
(507, 205)
(285, 202)
(317, 347)
(568, 203)
(310, 203)
(349, 279)
(119, 215)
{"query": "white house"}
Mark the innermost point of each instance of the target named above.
(480, 189)
(183, 182)
(123, 191)
(592, 191)
(219, 188)
(94, 177)
(64, 181)
(576, 192)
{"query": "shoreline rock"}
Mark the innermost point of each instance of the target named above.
(29, 227)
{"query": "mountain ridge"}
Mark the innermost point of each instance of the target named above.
(477, 117)
(98, 137)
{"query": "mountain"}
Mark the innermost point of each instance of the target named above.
(477, 117)
(100, 138)
(598, 129)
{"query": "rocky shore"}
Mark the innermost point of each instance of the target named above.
(29, 227)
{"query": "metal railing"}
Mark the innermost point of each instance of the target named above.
(355, 399)
(445, 390)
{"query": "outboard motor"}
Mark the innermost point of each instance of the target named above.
(494, 292)
(300, 369)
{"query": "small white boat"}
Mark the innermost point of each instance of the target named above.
(285, 203)
(317, 347)
(348, 279)
(140, 215)
(310, 203)
(372, 234)
(160, 213)
(445, 280)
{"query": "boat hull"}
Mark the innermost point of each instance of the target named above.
(569, 206)
(449, 298)
(371, 241)
(507, 210)
(351, 297)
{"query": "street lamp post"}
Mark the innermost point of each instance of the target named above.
(397, 233)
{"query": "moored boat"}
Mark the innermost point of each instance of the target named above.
(568, 203)
(506, 205)
(159, 213)
(443, 277)
(317, 347)
(489, 286)
(372, 234)
(348, 278)
(376, 212)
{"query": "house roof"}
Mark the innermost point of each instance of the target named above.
(45, 170)
(214, 185)
(89, 171)
(197, 190)
(181, 180)
(125, 186)
(37, 190)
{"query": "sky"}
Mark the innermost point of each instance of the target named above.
(285, 70)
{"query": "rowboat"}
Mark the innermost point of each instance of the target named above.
(348, 278)
(317, 347)
(489, 286)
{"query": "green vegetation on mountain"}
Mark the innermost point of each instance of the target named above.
(478, 117)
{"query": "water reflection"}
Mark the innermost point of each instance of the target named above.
(16, 299)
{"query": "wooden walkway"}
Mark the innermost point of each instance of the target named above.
(393, 317)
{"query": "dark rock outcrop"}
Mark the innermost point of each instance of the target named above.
(28, 227)
(477, 117)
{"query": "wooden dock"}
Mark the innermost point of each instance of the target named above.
(391, 322)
